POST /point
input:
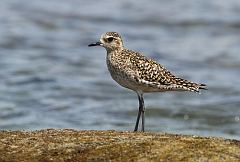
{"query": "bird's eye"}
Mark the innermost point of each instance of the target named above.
(110, 39)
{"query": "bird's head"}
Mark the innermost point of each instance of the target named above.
(110, 41)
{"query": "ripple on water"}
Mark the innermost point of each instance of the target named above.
(50, 78)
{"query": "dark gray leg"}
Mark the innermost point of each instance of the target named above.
(138, 117)
(140, 112)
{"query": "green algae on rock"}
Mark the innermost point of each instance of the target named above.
(72, 145)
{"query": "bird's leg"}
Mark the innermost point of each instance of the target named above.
(142, 112)
(138, 117)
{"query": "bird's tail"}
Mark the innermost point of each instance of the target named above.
(203, 86)
(190, 86)
(196, 87)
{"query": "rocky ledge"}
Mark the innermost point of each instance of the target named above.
(69, 145)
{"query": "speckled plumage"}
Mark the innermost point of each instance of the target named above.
(136, 72)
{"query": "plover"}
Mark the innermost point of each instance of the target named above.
(134, 71)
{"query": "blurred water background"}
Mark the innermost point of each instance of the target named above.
(51, 79)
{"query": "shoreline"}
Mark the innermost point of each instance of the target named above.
(89, 145)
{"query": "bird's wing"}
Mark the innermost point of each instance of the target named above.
(156, 75)
(149, 70)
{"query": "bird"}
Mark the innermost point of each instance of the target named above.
(136, 72)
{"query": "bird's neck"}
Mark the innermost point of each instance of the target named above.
(114, 50)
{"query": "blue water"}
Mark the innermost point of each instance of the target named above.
(51, 79)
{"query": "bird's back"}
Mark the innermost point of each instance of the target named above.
(137, 72)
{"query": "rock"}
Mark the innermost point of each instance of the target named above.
(70, 145)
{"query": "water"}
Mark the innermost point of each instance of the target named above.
(51, 79)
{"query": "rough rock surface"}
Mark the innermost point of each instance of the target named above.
(70, 145)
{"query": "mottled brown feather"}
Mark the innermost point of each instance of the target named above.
(153, 72)
(137, 72)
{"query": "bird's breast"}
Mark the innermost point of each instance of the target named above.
(121, 72)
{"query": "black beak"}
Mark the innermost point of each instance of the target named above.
(95, 44)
